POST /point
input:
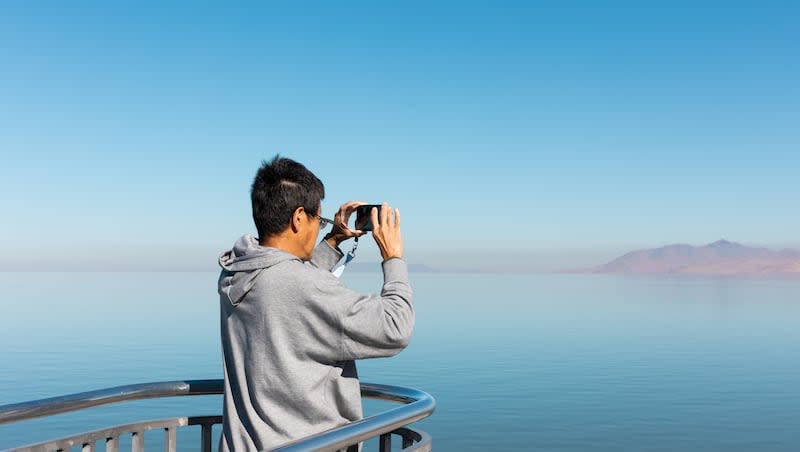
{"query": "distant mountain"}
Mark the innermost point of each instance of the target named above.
(719, 258)
(370, 267)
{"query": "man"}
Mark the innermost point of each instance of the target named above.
(290, 329)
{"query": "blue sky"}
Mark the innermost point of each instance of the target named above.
(531, 134)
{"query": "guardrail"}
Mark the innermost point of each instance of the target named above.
(417, 405)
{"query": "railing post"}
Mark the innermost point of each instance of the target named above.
(206, 437)
(112, 444)
(137, 442)
(170, 440)
(386, 442)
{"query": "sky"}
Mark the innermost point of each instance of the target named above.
(514, 135)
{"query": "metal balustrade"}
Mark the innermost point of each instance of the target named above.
(417, 405)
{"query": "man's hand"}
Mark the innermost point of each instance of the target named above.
(341, 231)
(386, 232)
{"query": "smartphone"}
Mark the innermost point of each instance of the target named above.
(363, 216)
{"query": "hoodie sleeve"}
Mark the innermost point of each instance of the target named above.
(325, 256)
(371, 325)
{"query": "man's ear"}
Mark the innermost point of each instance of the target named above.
(297, 218)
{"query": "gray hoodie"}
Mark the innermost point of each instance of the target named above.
(290, 332)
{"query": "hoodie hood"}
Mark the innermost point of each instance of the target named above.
(242, 265)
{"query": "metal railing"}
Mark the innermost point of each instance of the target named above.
(417, 405)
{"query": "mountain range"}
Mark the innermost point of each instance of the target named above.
(719, 258)
(372, 267)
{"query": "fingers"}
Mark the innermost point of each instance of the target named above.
(347, 209)
(388, 217)
(373, 215)
(342, 218)
(385, 212)
(350, 206)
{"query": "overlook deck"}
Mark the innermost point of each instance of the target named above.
(417, 405)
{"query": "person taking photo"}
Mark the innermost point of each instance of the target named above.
(291, 330)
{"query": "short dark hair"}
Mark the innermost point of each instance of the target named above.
(280, 187)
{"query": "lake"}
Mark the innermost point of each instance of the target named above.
(515, 362)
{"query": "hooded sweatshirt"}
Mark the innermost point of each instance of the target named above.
(290, 334)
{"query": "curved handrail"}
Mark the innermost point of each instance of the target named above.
(418, 405)
(54, 405)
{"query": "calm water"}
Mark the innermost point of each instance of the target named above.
(551, 362)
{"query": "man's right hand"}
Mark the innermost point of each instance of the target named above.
(341, 231)
(386, 232)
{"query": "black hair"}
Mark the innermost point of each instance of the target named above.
(280, 187)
